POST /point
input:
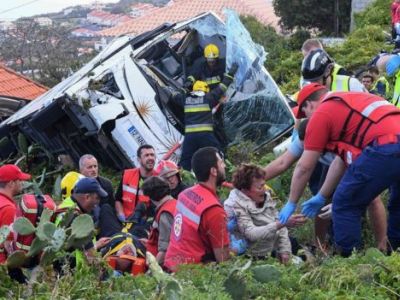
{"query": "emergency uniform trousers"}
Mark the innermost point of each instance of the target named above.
(193, 142)
(377, 168)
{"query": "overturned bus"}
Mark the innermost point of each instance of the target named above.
(116, 103)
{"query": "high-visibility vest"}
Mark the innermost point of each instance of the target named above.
(198, 114)
(152, 243)
(396, 92)
(340, 83)
(372, 108)
(131, 192)
(384, 81)
(65, 205)
(185, 245)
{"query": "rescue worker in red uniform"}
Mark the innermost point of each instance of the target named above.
(363, 130)
(11, 178)
(129, 193)
(199, 233)
(159, 192)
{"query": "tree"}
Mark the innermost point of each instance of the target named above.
(330, 17)
(47, 53)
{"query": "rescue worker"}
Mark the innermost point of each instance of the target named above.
(199, 233)
(159, 192)
(85, 196)
(381, 86)
(319, 67)
(168, 170)
(199, 125)
(368, 81)
(89, 167)
(129, 193)
(315, 44)
(11, 178)
(68, 182)
(210, 69)
(363, 130)
(391, 64)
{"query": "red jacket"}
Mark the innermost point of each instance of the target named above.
(393, 10)
(152, 243)
(6, 220)
(372, 110)
(186, 245)
(131, 192)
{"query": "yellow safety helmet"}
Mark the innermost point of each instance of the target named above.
(211, 51)
(201, 86)
(68, 182)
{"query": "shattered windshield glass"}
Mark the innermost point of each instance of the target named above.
(256, 110)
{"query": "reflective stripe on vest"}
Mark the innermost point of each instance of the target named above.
(28, 210)
(340, 83)
(213, 80)
(186, 245)
(199, 128)
(196, 108)
(186, 212)
(22, 246)
(371, 107)
(131, 192)
(396, 94)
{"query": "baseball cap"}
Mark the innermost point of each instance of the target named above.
(11, 172)
(304, 93)
(89, 185)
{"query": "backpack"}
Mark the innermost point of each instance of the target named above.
(31, 207)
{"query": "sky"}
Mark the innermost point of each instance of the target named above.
(14, 9)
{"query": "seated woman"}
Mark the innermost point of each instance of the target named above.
(257, 217)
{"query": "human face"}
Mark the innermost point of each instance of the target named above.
(90, 168)
(256, 191)
(147, 159)
(309, 107)
(173, 181)
(16, 187)
(367, 82)
(91, 201)
(220, 170)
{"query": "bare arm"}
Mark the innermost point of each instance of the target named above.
(279, 165)
(302, 174)
(335, 173)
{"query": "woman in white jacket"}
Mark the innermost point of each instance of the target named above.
(257, 217)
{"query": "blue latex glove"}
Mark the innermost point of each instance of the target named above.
(121, 217)
(287, 211)
(232, 223)
(392, 65)
(295, 134)
(238, 245)
(313, 205)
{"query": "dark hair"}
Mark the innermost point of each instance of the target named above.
(202, 161)
(139, 150)
(374, 70)
(243, 177)
(369, 76)
(3, 184)
(302, 129)
(156, 188)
